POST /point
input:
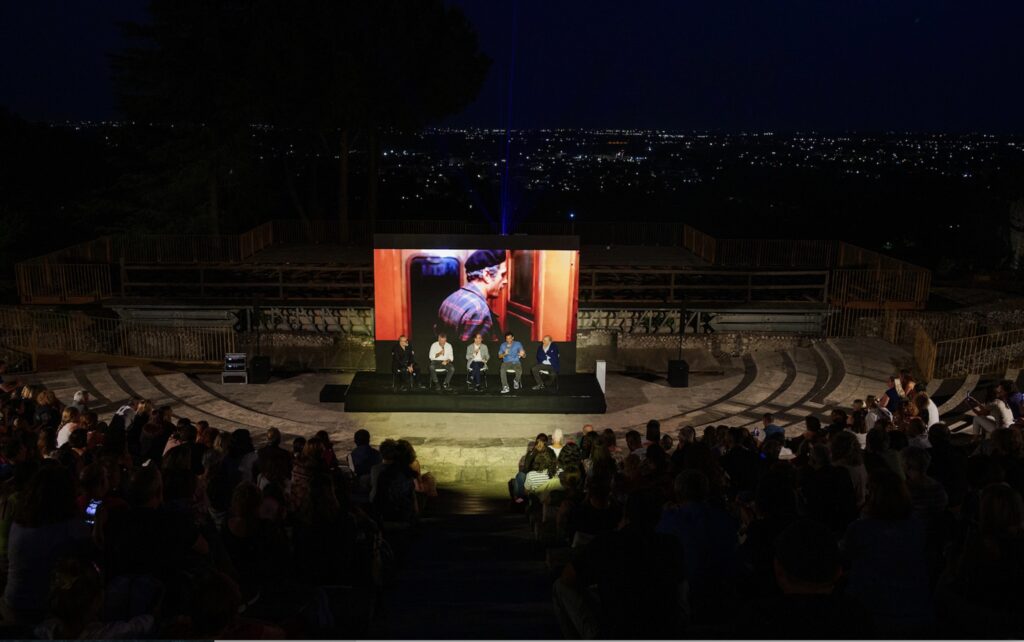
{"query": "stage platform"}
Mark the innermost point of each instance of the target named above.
(576, 394)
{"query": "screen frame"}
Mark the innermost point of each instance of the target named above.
(514, 242)
(473, 242)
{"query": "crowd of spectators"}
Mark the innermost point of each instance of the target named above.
(879, 523)
(151, 525)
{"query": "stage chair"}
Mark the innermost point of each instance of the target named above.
(483, 377)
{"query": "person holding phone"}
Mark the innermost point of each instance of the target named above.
(995, 414)
(511, 354)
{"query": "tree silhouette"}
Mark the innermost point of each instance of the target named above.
(324, 72)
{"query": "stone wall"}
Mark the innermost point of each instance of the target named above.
(300, 350)
(342, 339)
(352, 321)
(653, 351)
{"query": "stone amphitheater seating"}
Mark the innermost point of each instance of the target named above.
(790, 384)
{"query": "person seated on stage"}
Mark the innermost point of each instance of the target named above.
(442, 358)
(547, 363)
(403, 361)
(511, 353)
(477, 356)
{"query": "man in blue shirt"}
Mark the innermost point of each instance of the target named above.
(547, 363)
(510, 353)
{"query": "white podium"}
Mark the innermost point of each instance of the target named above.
(600, 371)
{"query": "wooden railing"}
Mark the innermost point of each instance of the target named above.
(699, 243)
(66, 283)
(35, 332)
(859, 277)
(256, 239)
(925, 354)
(341, 284)
(873, 288)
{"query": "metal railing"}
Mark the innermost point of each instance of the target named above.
(34, 332)
(982, 354)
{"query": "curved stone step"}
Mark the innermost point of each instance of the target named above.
(136, 383)
(63, 383)
(183, 388)
(101, 383)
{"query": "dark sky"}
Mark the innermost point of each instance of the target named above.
(919, 65)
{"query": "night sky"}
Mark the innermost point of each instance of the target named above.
(924, 65)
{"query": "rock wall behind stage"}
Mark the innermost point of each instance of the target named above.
(324, 338)
(652, 352)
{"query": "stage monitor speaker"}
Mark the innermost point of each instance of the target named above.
(678, 373)
(333, 393)
(235, 368)
(260, 370)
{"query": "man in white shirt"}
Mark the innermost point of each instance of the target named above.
(996, 414)
(442, 358)
(875, 412)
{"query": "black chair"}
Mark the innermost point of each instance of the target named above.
(399, 378)
(483, 376)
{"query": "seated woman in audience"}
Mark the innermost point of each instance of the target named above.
(330, 458)
(879, 453)
(48, 410)
(1008, 452)
(775, 508)
(927, 496)
(392, 486)
(424, 482)
(545, 466)
(826, 491)
(46, 526)
(847, 454)
(76, 601)
(981, 592)
(596, 514)
(886, 552)
(707, 533)
(69, 422)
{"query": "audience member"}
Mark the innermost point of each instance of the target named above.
(888, 570)
(807, 568)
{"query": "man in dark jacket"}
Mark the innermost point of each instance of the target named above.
(547, 363)
(403, 361)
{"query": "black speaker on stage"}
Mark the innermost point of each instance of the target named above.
(678, 373)
(259, 370)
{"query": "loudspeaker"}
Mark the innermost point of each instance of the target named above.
(678, 373)
(333, 393)
(260, 370)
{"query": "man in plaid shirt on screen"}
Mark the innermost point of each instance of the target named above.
(466, 312)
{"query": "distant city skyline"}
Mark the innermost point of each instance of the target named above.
(918, 66)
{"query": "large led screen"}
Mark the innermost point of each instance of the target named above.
(488, 288)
